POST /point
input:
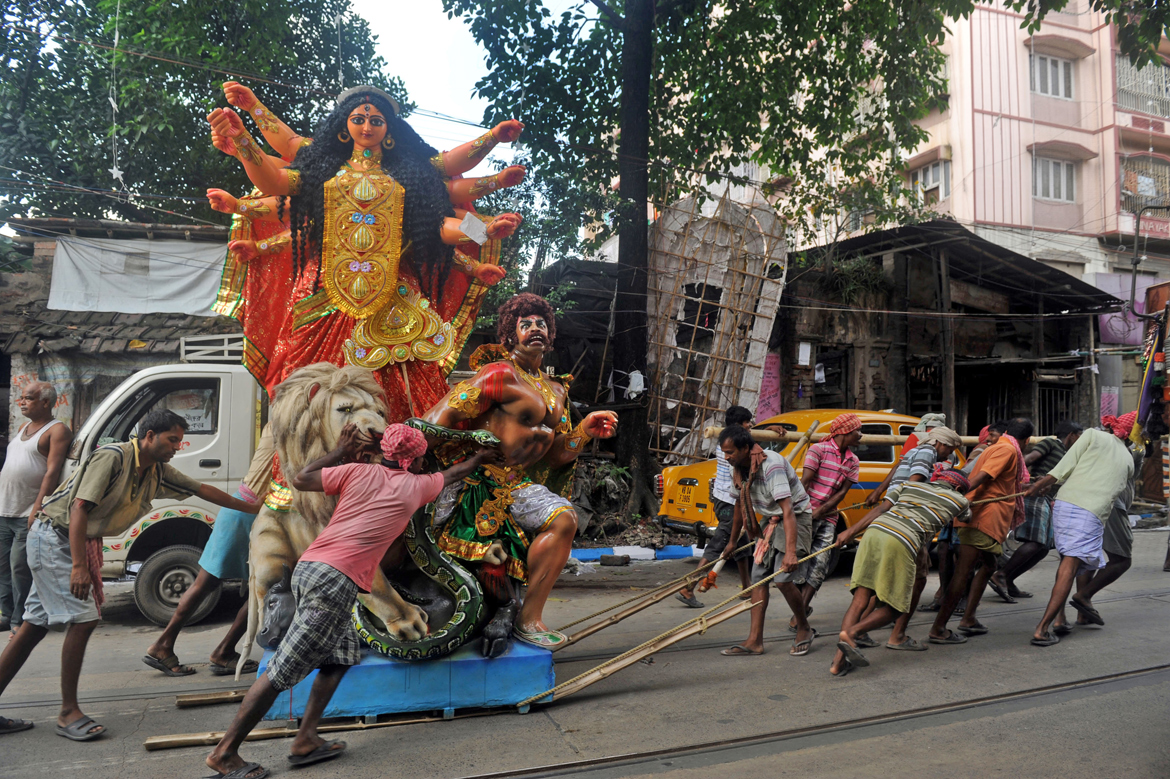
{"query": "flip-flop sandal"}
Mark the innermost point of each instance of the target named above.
(229, 669)
(242, 772)
(692, 601)
(807, 614)
(932, 606)
(80, 729)
(978, 629)
(1048, 640)
(865, 642)
(844, 670)
(909, 645)
(852, 655)
(1062, 630)
(1088, 612)
(1020, 594)
(739, 651)
(169, 665)
(546, 639)
(14, 725)
(327, 751)
(952, 638)
(801, 648)
(1001, 592)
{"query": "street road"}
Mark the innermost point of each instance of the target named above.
(696, 711)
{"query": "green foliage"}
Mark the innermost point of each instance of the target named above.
(822, 93)
(853, 279)
(56, 117)
(542, 237)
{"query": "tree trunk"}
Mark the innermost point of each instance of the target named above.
(630, 331)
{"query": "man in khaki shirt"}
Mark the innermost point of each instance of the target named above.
(112, 489)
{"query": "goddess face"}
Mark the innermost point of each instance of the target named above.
(367, 125)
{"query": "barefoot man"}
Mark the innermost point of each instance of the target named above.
(509, 505)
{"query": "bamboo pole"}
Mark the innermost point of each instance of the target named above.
(191, 700)
(772, 437)
(605, 671)
(213, 737)
(646, 603)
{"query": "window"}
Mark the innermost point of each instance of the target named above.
(1051, 76)
(932, 183)
(1054, 180)
(1145, 181)
(875, 453)
(195, 400)
(1146, 90)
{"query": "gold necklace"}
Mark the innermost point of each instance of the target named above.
(537, 383)
(365, 159)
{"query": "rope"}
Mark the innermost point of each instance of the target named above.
(701, 619)
(692, 575)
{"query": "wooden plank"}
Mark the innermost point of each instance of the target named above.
(977, 297)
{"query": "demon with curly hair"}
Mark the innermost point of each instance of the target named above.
(374, 268)
(504, 521)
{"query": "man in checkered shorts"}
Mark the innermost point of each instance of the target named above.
(374, 504)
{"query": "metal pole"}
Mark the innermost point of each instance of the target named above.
(1137, 231)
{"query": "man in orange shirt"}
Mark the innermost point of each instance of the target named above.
(1000, 472)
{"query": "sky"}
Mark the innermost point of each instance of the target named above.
(437, 58)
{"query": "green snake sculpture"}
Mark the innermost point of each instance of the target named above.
(444, 582)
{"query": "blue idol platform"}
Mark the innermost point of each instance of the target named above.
(465, 679)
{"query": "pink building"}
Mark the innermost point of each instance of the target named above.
(1050, 142)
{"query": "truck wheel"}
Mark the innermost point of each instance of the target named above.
(162, 580)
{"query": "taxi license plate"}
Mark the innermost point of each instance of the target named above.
(686, 495)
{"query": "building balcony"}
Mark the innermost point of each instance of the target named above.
(1146, 90)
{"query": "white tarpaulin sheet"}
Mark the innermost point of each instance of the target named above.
(136, 276)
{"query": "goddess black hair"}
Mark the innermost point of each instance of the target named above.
(426, 205)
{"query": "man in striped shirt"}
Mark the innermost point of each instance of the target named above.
(887, 565)
(830, 471)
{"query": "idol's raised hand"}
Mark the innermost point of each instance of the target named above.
(508, 131)
(503, 226)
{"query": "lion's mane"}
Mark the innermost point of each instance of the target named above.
(299, 410)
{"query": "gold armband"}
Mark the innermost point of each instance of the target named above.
(274, 245)
(482, 145)
(482, 186)
(264, 118)
(577, 438)
(252, 207)
(247, 150)
(294, 181)
(464, 398)
(439, 164)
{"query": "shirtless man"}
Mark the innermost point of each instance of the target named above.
(508, 507)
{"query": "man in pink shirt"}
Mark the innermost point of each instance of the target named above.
(375, 502)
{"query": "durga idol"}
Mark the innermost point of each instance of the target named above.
(385, 279)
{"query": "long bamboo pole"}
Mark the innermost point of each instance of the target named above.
(771, 437)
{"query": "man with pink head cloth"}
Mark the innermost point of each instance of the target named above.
(1093, 473)
(375, 502)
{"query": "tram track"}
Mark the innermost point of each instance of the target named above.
(712, 754)
(146, 693)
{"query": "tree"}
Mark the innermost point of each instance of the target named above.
(162, 64)
(823, 93)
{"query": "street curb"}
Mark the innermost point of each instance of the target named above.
(673, 552)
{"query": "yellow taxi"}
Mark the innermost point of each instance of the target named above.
(685, 490)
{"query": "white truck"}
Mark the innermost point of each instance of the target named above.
(225, 408)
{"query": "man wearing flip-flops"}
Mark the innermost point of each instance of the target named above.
(887, 565)
(765, 483)
(104, 497)
(1094, 472)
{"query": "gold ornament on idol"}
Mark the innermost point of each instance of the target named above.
(365, 159)
(538, 383)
